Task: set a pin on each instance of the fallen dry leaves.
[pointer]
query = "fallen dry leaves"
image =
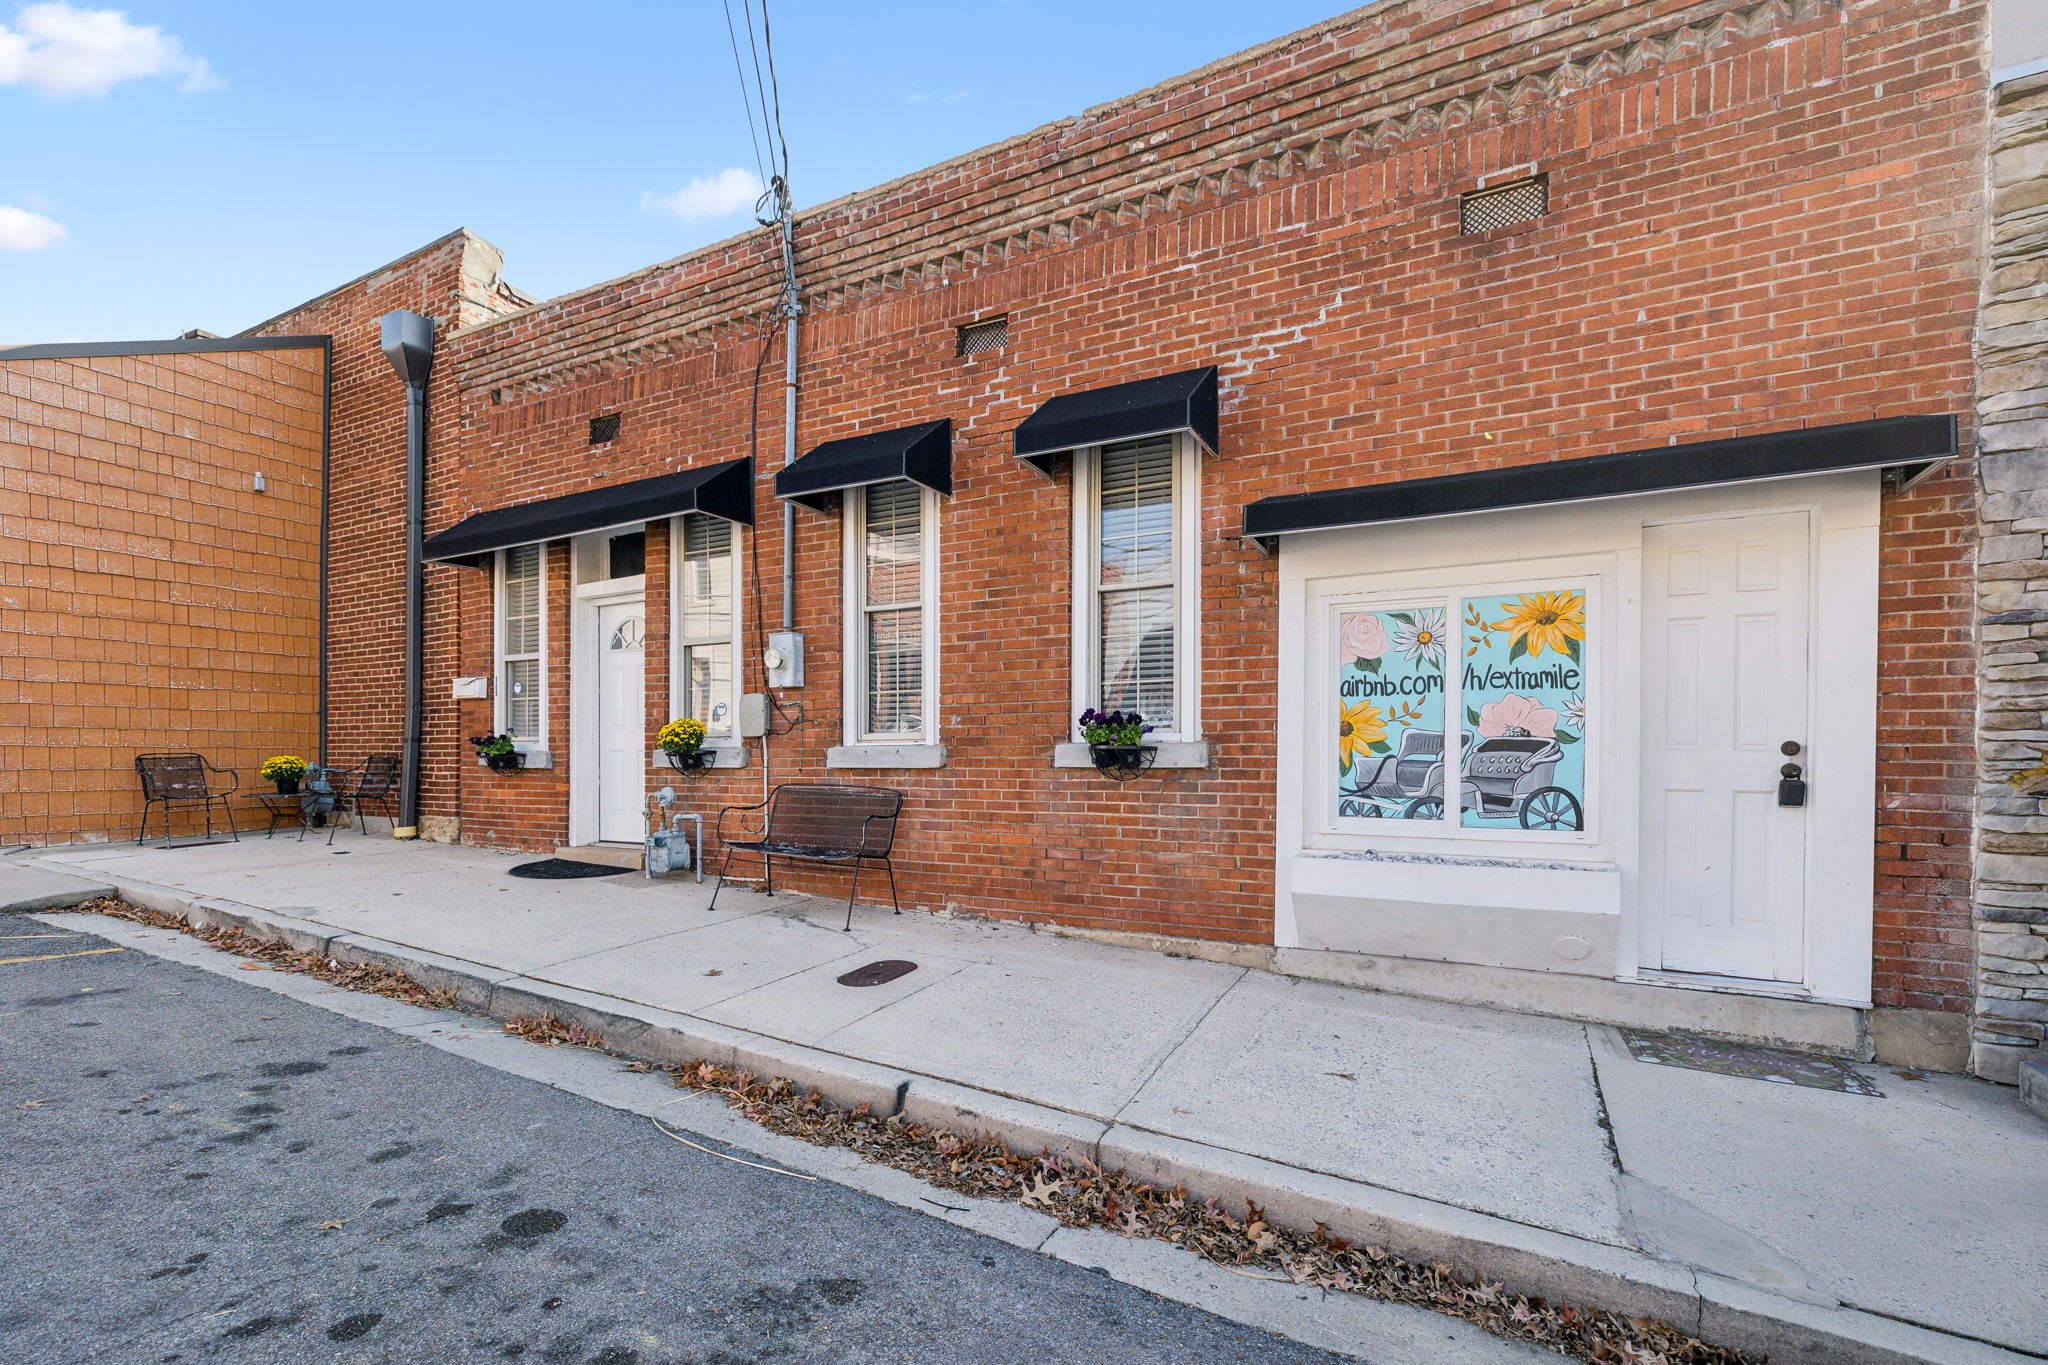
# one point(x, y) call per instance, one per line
point(281, 956)
point(548, 1031)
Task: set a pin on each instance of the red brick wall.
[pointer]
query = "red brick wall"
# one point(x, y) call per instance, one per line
point(455, 282)
point(1761, 219)
point(150, 597)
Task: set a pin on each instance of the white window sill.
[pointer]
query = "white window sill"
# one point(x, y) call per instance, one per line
point(1193, 753)
point(725, 756)
point(878, 756)
point(535, 758)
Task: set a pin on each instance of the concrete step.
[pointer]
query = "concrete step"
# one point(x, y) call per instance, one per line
point(2034, 1087)
point(604, 855)
point(24, 888)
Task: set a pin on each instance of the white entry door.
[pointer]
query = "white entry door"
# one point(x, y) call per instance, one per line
point(1726, 608)
point(621, 722)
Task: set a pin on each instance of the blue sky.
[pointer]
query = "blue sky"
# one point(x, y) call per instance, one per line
point(183, 164)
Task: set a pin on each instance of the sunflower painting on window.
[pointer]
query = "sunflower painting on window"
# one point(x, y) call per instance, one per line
point(1361, 730)
point(1535, 623)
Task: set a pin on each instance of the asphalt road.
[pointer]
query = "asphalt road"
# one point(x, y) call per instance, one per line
point(174, 1142)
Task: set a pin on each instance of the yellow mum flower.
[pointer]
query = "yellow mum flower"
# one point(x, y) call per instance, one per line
point(1361, 726)
point(1547, 620)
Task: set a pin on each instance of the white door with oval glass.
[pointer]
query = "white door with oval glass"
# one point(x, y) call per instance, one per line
point(621, 719)
point(1727, 608)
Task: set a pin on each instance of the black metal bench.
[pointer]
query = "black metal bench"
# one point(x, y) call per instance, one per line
point(184, 780)
point(816, 823)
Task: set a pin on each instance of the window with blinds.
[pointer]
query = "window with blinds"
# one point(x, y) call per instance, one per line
point(519, 643)
point(1137, 592)
point(704, 624)
point(892, 589)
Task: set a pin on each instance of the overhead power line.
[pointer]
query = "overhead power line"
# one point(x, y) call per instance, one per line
point(775, 90)
point(746, 95)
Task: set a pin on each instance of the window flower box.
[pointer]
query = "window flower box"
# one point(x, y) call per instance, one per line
point(1116, 743)
point(498, 753)
point(682, 744)
point(1123, 761)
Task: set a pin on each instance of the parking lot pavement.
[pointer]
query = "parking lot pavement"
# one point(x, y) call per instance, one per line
point(198, 1171)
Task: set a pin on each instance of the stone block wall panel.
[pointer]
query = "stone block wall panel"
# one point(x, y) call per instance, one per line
point(2011, 901)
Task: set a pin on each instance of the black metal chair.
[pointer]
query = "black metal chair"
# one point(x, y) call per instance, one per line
point(373, 783)
point(184, 780)
point(817, 823)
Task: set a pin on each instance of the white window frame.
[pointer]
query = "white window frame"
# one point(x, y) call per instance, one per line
point(853, 518)
point(677, 643)
point(538, 742)
point(1187, 585)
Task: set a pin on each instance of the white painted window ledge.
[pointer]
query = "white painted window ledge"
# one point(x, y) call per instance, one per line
point(878, 756)
point(727, 756)
point(1192, 753)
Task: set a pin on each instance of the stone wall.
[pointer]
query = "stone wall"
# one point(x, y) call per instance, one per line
point(2012, 592)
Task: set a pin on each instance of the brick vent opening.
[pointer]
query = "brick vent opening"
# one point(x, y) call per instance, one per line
point(1504, 205)
point(605, 428)
point(990, 335)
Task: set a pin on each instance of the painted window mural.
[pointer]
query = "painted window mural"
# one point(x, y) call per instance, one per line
point(1523, 687)
point(1511, 666)
point(1390, 730)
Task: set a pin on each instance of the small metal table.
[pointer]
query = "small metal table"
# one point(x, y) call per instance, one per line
point(282, 807)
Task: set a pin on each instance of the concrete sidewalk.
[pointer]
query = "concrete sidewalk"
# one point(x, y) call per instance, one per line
point(1806, 1223)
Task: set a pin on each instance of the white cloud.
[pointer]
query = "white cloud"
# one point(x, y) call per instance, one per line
point(61, 51)
point(21, 230)
point(708, 196)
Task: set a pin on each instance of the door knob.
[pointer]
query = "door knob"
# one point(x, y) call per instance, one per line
point(1789, 748)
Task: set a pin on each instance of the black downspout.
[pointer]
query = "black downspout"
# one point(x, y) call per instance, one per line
point(326, 505)
point(408, 343)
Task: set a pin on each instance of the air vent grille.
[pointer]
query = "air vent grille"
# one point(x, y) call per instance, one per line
point(605, 428)
point(992, 334)
point(1504, 205)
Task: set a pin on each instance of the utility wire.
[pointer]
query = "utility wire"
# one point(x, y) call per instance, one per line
point(775, 90)
point(760, 85)
point(746, 96)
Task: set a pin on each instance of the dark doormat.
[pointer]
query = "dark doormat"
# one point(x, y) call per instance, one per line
point(564, 870)
point(1751, 1063)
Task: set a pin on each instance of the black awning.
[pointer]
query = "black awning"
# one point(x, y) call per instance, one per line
point(1912, 445)
point(720, 490)
point(1121, 412)
point(921, 454)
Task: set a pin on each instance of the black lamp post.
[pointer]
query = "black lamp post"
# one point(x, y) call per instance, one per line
point(408, 343)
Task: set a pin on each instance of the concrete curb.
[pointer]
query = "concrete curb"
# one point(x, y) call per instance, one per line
point(1525, 1259)
point(66, 890)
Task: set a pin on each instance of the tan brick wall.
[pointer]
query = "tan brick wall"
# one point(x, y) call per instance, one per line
point(150, 598)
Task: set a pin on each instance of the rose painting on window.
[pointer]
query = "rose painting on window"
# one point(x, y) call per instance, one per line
point(1523, 687)
point(1390, 713)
